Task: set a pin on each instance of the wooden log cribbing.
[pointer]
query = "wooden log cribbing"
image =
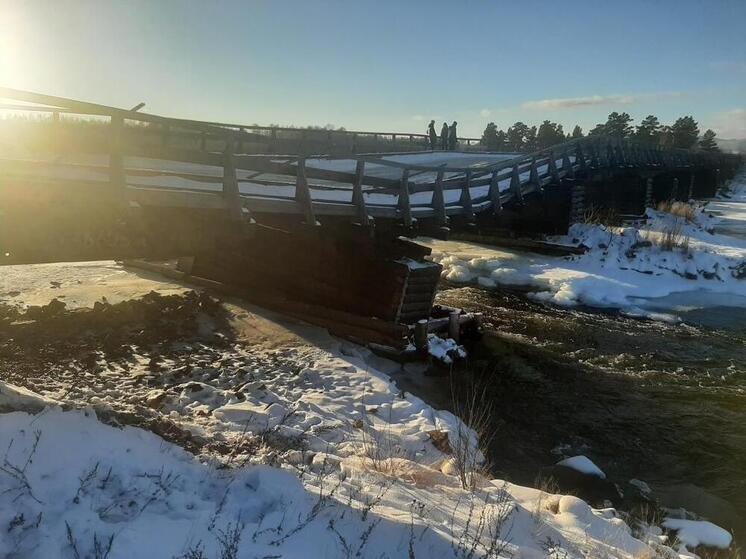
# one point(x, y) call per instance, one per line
point(353, 273)
point(530, 245)
point(577, 202)
point(649, 192)
point(339, 323)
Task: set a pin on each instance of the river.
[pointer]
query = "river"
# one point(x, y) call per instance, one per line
point(658, 401)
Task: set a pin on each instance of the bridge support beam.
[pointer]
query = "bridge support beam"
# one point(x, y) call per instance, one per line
point(577, 202)
point(336, 268)
point(648, 192)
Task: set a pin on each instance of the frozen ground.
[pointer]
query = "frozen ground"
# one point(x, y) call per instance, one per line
point(301, 446)
point(630, 268)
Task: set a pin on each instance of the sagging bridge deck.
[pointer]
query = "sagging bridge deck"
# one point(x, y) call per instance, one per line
point(205, 198)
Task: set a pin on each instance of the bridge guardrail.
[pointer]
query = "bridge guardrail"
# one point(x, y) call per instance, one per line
point(294, 184)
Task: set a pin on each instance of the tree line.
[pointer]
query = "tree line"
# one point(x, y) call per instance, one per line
point(683, 133)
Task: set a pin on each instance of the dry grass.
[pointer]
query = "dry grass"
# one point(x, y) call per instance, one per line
point(602, 216)
point(475, 431)
point(669, 238)
point(679, 209)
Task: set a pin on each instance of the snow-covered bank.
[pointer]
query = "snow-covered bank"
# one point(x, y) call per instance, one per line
point(625, 267)
point(70, 485)
point(306, 446)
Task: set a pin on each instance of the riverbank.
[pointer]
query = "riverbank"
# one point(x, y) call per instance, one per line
point(295, 440)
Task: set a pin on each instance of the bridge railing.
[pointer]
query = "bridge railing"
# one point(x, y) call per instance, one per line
point(210, 171)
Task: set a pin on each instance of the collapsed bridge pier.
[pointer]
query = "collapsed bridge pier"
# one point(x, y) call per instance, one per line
point(325, 237)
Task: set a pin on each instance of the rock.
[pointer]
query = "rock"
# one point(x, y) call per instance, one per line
point(440, 440)
point(449, 467)
point(739, 272)
point(591, 488)
point(357, 424)
point(155, 398)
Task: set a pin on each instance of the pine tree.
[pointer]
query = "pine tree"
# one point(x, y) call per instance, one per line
point(502, 140)
point(649, 130)
point(489, 137)
point(529, 140)
point(685, 132)
point(577, 132)
point(598, 130)
point(707, 142)
point(619, 125)
point(516, 136)
point(549, 134)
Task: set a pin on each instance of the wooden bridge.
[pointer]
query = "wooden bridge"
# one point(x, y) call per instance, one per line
point(324, 230)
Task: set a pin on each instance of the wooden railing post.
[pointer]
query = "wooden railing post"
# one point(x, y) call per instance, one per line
point(165, 133)
point(117, 177)
point(465, 200)
point(534, 174)
point(438, 200)
point(515, 185)
point(358, 199)
point(273, 141)
point(577, 203)
point(553, 168)
point(494, 193)
point(241, 132)
point(404, 204)
point(675, 189)
point(303, 193)
point(231, 194)
point(580, 158)
point(691, 185)
point(567, 165)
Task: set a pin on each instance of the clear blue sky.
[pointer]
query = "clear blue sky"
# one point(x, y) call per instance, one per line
point(387, 65)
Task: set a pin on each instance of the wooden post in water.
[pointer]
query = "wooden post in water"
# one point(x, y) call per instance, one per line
point(675, 189)
point(691, 186)
point(420, 334)
point(454, 328)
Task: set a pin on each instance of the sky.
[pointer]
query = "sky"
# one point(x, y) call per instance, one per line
point(387, 65)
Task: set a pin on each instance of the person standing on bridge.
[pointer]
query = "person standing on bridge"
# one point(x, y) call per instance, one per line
point(452, 137)
point(444, 137)
point(433, 135)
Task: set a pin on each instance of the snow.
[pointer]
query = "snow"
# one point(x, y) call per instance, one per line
point(693, 533)
point(582, 464)
point(444, 349)
point(319, 448)
point(157, 500)
point(77, 284)
point(624, 268)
